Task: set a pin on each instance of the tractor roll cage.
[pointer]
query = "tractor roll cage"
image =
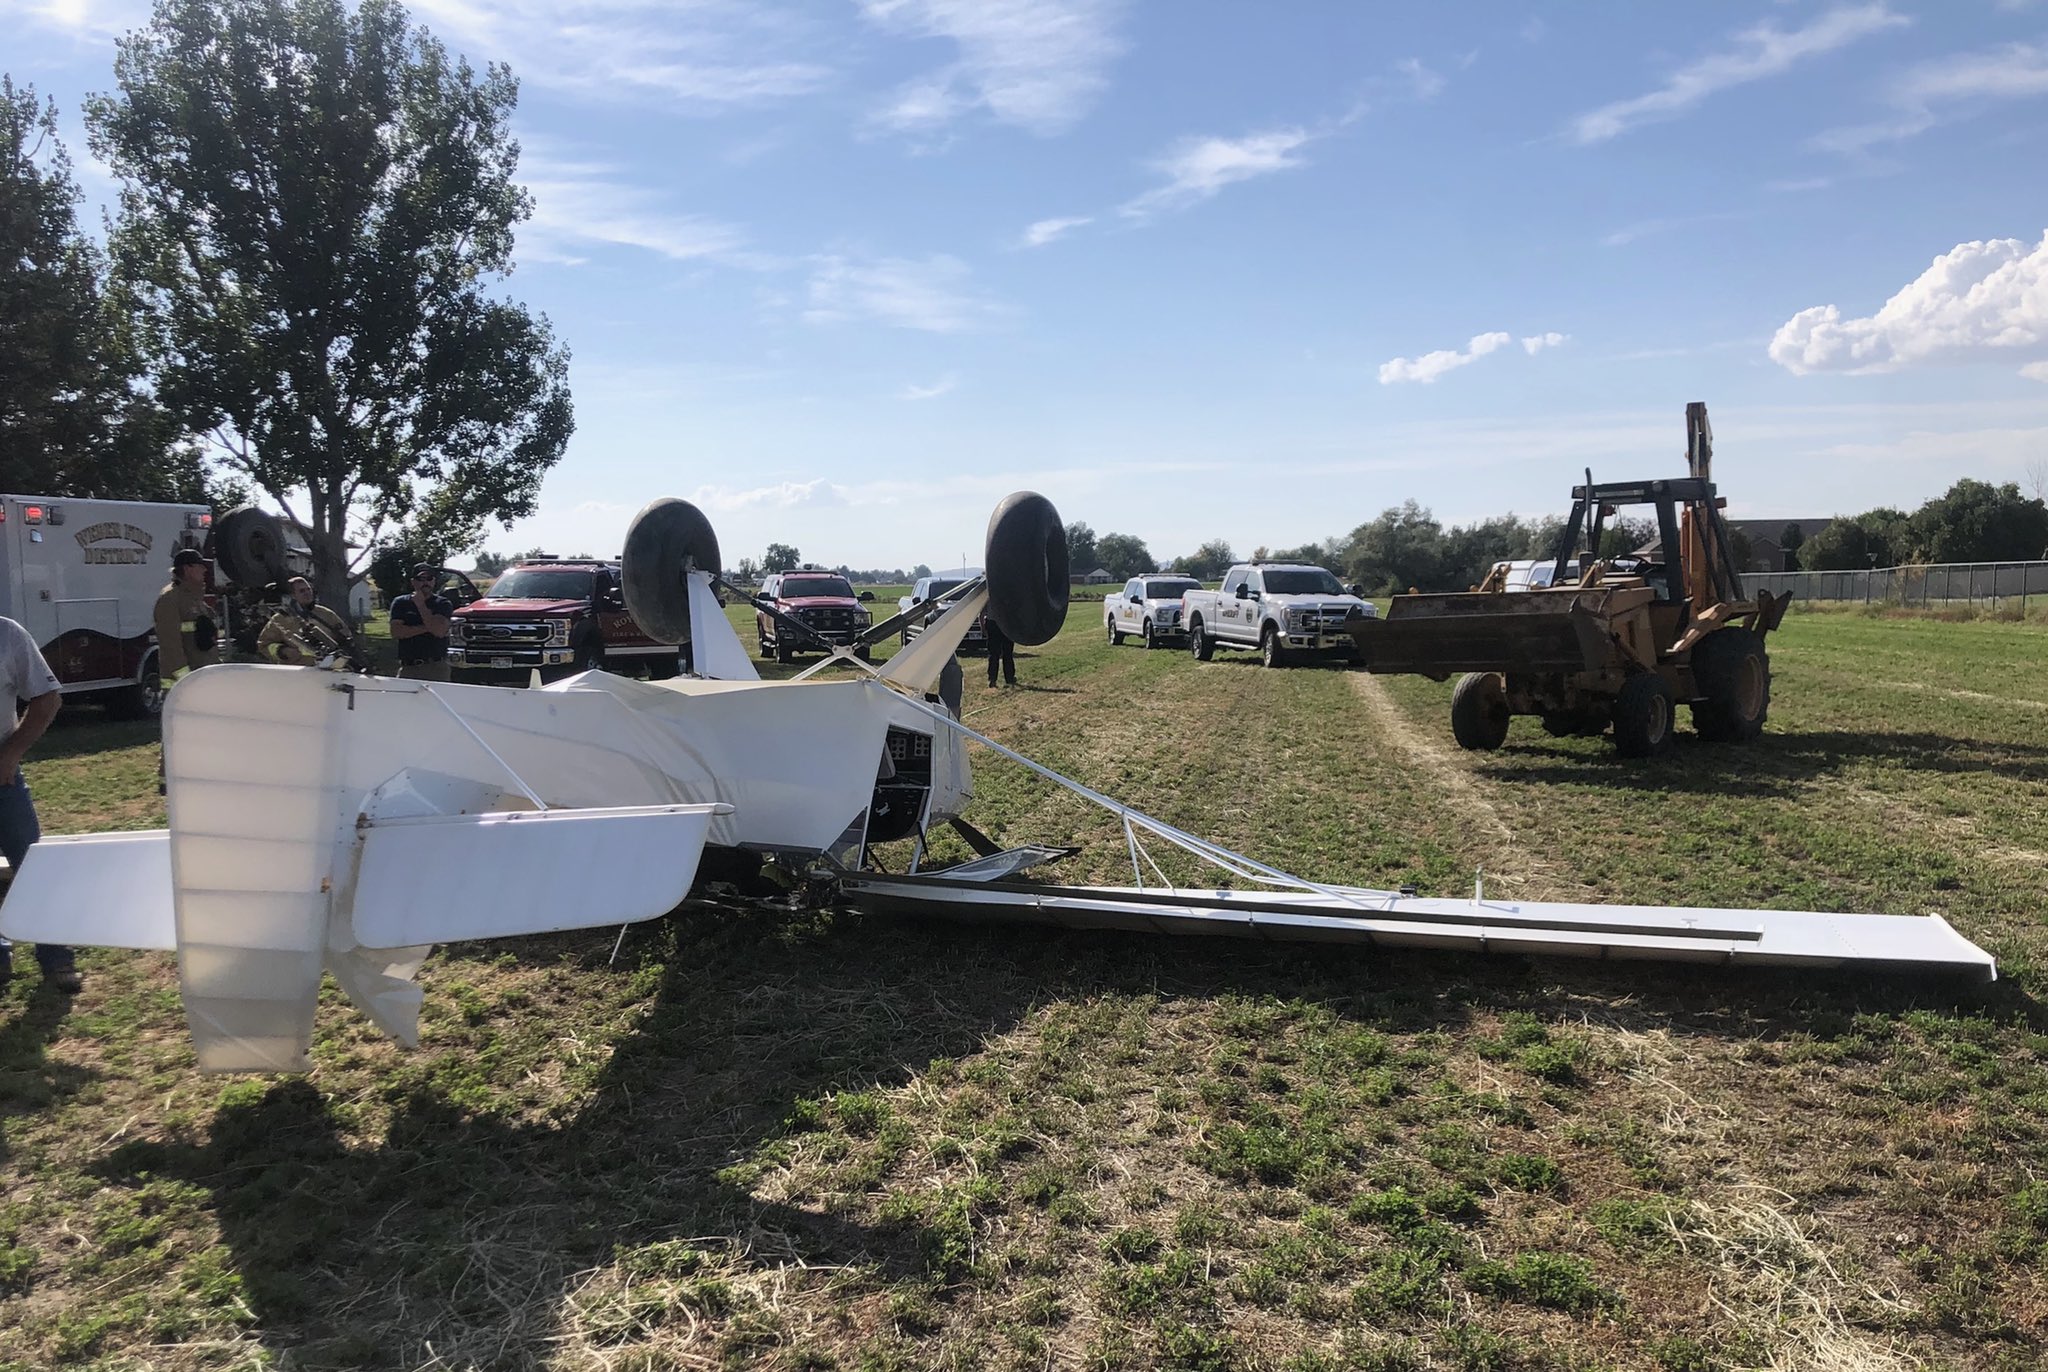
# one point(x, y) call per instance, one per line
point(1591, 505)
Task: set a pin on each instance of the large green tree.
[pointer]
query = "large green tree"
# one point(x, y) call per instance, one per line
point(1121, 555)
point(74, 418)
point(317, 205)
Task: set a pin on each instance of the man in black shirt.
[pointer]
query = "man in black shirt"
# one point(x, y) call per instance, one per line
point(1002, 652)
point(419, 624)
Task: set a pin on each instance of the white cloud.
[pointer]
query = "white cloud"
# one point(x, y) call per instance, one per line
point(1037, 65)
point(1977, 302)
point(931, 392)
point(1428, 367)
point(1936, 92)
point(1538, 342)
point(588, 202)
point(1197, 168)
point(1760, 52)
point(1424, 83)
point(92, 22)
point(935, 295)
point(2035, 371)
point(711, 54)
point(783, 495)
point(1046, 230)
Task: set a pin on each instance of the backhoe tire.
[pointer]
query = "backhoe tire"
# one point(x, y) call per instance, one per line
point(1733, 673)
point(1645, 716)
point(664, 539)
point(1199, 643)
point(1027, 568)
point(1479, 712)
point(249, 546)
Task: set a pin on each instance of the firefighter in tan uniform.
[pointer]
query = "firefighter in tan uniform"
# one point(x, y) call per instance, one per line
point(303, 631)
point(187, 635)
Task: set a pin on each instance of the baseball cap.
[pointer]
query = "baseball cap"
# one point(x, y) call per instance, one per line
point(186, 557)
point(425, 569)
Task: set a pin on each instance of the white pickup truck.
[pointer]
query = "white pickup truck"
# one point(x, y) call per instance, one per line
point(1281, 609)
point(1148, 607)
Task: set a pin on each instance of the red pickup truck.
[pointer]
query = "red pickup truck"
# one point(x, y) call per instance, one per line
point(560, 617)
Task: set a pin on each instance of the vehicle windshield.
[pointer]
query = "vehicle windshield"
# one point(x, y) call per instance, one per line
point(1302, 581)
point(1170, 590)
point(794, 586)
point(541, 583)
point(938, 588)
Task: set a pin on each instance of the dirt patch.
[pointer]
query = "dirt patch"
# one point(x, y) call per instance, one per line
point(1954, 693)
point(1488, 821)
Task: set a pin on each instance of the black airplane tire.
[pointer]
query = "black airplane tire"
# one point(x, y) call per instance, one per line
point(665, 538)
point(1026, 565)
point(249, 546)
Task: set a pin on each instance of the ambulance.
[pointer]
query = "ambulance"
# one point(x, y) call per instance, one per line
point(83, 577)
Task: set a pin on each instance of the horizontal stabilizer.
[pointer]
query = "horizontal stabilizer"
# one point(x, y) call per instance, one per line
point(98, 890)
point(451, 878)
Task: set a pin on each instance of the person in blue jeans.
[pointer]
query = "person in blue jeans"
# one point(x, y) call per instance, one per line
point(24, 676)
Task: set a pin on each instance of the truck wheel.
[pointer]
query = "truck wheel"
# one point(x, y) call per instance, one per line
point(663, 667)
point(1272, 648)
point(1199, 643)
point(1151, 641)
point(663, 539)
point(143, 700)
point(1645, 715)
point(1027, 568)
point(1733, 673)
point(589, 655)
point(865, 653)
point(1116, 639)
point(1479, 712)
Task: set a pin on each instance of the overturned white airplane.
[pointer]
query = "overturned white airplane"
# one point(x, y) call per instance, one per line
point(332, 821)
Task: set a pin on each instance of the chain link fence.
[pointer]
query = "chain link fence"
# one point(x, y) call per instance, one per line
point(1945, 583)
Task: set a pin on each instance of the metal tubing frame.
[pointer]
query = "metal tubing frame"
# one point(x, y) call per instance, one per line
point(1236, 864)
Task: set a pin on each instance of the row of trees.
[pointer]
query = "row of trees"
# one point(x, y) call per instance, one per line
point(1406, 545)
point(1974, 521)
point(301, 290)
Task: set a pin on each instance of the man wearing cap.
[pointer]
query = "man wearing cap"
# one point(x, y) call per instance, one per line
point(419, 623)
point(303, 630)
point(187, 636)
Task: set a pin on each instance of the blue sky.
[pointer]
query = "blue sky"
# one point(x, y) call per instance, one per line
point(844, 273)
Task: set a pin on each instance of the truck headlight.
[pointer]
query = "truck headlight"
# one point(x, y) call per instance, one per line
point(558, 632)
point(863, 617)
point(456, 630)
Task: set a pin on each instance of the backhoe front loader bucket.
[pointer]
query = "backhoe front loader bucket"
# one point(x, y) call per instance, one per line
point(1440, 635)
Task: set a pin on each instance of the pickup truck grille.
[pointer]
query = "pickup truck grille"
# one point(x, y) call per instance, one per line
point(827, 619)
point(493, 633)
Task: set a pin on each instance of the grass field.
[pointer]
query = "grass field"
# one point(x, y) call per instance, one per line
point(823, 1142)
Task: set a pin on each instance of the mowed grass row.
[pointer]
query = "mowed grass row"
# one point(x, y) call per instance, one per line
point(808, 1140)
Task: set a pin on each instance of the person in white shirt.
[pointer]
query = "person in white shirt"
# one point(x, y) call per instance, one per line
point(24, 676)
